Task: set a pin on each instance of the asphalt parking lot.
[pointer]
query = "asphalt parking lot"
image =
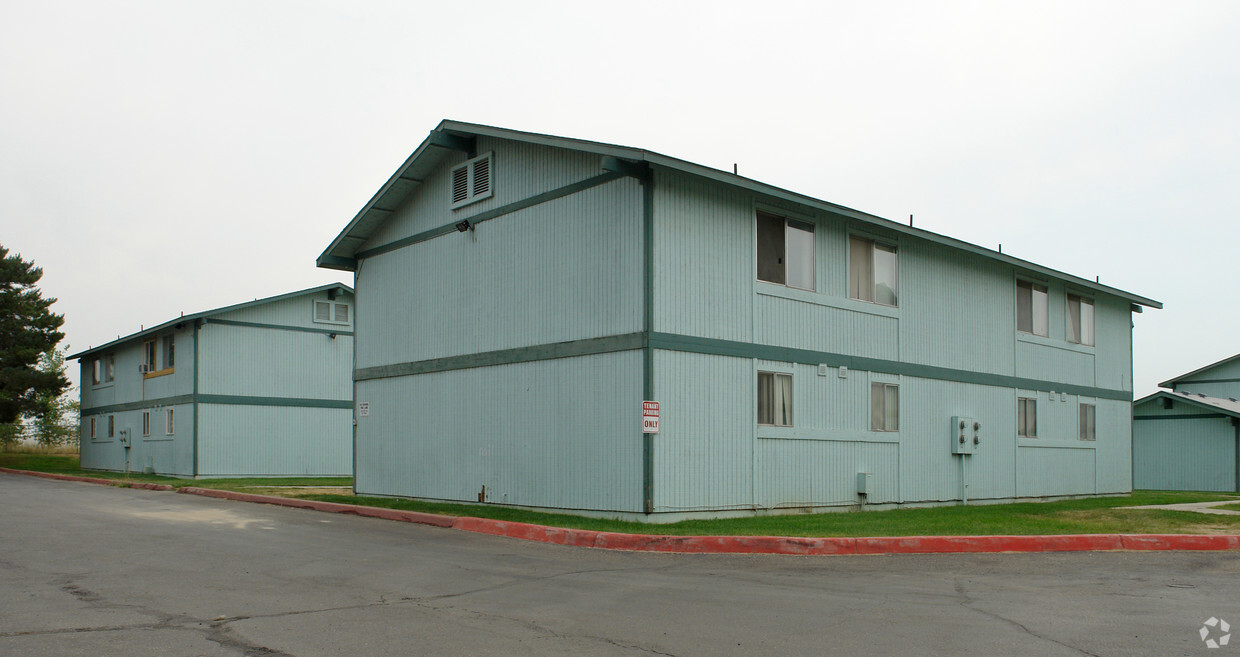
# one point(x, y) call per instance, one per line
point(96, 570)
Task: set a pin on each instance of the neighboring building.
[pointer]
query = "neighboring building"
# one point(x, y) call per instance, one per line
point(256, 389)
point(1189, 438)
point(521, 295)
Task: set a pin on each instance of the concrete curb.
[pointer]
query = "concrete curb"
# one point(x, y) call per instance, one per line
point(719, 544)
point(89, 480)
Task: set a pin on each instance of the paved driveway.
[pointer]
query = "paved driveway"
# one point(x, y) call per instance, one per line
point(95, 570)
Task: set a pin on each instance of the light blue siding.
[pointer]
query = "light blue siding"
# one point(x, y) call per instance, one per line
point(261, 354)
point(564, 270)
point(563, 433)
point(256, 441)
point(1185, 447)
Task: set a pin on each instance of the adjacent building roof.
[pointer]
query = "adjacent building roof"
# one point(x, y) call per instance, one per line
point(208, 313)
point(1171, 383)
point(1228, 406)
point(451, 136)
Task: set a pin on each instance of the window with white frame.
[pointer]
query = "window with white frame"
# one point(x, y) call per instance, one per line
point(96, 375)
point(1080, 320)
point(109, 367)
point(148, 356)
point(884, 407)
point(471, 181)
point(873, 271)
point(1032, 305)
point(331, 312)
point(775, 399)
point(111, 426)
point(146, 423)
point(1089, 422)
point(93, 429)
point(169, 425)
point(785, 251)
point(169, 350)
point(1027, 417)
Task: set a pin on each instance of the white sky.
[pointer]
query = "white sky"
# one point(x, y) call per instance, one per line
point(160, 157)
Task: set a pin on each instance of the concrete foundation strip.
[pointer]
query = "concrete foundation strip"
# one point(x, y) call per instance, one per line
point(719, 544)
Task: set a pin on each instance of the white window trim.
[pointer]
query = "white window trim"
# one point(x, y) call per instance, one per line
point(169, 422)
point(788, 218)
point(146, 423)
point(792, 403)
point(874, 243)
point(1093, 317)
point(471, 165)
point(1079, 405)
point(884, 385)
point(331, 312)
point(1021, 397)
point(1033, 319)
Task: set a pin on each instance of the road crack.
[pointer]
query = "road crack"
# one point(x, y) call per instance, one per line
point(968, 602)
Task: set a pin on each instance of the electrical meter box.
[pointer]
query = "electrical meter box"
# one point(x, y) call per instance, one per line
point(966, 435)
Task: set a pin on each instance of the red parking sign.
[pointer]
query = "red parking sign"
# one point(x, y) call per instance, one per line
point(650, 417)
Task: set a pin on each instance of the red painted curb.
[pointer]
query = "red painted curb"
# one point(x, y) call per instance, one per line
point(718, 544)
point(329, 507)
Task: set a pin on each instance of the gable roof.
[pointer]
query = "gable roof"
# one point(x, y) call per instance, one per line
point(451, 136)
point(1229, 407)
point(1170, 383)
point(209, 313)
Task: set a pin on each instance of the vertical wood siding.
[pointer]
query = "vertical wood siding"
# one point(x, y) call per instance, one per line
point(562, 433)
point(568, 269)
point(260, 362)
point(236, 440)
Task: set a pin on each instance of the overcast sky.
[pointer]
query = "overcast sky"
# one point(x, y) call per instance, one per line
point(160, 157)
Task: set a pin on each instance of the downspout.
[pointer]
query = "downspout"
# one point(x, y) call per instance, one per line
point(647, 183)
point(194, 403)
point(357, 271)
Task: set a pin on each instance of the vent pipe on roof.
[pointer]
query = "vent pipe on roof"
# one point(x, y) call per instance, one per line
point(734, 169)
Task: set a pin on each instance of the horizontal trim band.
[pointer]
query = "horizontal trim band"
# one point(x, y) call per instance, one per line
point(139, 405)
point(230, 400)
point(280, 327)
point(297, 402)
point(447, 229)
point(715, 347)
point(712, 346)
point(588, 347)
point(1190, 416)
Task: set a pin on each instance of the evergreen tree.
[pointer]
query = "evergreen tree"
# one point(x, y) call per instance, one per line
point(58, 424)
point(28, 329)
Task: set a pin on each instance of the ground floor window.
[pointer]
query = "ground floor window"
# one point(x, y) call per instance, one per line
point(92, 428)
point(1027, 417)
point(169, 427)
point(111, 426)
point(1088, 422)
point(146, 423)
point(884, 407)
point(775, 399)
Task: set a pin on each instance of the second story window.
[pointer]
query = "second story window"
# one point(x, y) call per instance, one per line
point(785, 251)
point(1080, 320)
point(873, 271)
point(1031, 308)
point(169, 351)
point(148, 356)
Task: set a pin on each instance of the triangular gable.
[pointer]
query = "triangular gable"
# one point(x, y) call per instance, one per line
point(1197, 374)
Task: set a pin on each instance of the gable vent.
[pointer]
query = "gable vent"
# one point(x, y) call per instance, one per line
point(460, 184)
point(471, 181)
point(482, 176)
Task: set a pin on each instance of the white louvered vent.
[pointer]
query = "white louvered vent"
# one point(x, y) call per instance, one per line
point(322, 311)
point(471, 181)
point(460, 184)
point(342, 313)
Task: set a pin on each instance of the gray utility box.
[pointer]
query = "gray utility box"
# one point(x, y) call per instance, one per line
point(966, 435)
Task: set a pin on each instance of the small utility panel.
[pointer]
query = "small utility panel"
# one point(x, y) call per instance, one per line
point(966, 435)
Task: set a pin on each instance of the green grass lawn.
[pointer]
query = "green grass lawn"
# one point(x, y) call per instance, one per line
point(1099, 515)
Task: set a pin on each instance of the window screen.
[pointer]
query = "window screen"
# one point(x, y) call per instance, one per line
point(322, 311)
point(775, 399)
point(1031, 308)
point(884, 407)
point(1088, 422)
point(342, 313)
point(1027, 417)
point(770, 248)
point(1080, 320)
